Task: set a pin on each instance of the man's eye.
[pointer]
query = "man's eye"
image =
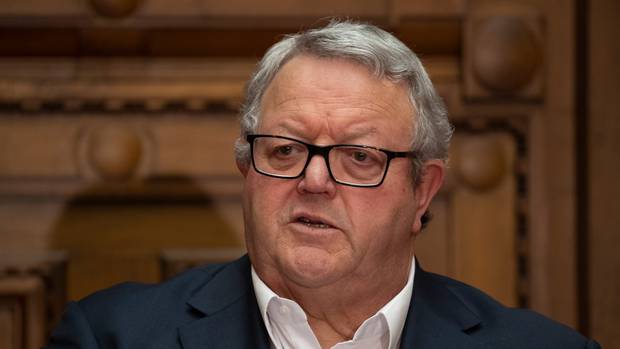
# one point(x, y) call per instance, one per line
point(283, 150)
point(360, 156)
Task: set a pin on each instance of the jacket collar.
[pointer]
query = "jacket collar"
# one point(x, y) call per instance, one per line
point(231, 317)
point(437, 317)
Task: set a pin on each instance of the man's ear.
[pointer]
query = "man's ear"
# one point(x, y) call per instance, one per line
point(427, 186)
point(243, 166)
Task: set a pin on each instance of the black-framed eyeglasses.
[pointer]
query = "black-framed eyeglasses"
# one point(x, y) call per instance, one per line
point(349, 164)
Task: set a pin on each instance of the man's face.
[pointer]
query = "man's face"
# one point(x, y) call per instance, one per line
point(310, 230)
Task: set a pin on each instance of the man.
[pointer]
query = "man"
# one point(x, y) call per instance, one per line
point(343, 146)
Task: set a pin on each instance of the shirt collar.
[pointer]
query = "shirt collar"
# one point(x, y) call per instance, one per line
point(395, 311)
point(263, 295)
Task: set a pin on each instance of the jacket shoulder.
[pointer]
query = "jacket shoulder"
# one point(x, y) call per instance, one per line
point(521, 327)
point(134, 294)
point(139, 312)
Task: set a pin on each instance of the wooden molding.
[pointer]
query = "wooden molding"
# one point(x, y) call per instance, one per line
point(37, 282)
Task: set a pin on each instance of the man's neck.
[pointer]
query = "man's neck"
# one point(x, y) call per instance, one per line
point(337, 310)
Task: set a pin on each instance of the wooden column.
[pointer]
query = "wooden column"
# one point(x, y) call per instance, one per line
point(603, 123)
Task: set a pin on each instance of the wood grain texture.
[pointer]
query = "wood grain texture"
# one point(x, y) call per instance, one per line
point(22, 304)
point(138, 72)
point(484, 229)
point(553, 188)
point(603, 169)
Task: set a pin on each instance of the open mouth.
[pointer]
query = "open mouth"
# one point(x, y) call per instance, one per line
point(313, 223)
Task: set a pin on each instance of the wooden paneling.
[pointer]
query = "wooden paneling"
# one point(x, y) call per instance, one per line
point(134, 153)
point(473, 233)
point(109, 244)
point(554, 261)
point(111, 240)
point(207, 27)
point(11, 323)
point(32, 296)
point(23, 311)
point(43, 8)
point(551, 183)
point(603, 200)
point(197, 9)
point(483, 215)
point(26, 149)
point(421, 8)
point(428, 35)
point(52, 148)
point(269, 8)
point(435, 245)
point(129, 79)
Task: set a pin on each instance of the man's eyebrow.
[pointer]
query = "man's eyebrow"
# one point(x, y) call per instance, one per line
point(297, 128)
point(359, 132)
point(292, 125)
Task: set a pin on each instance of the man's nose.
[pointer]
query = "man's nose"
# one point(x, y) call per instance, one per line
point(316, 178)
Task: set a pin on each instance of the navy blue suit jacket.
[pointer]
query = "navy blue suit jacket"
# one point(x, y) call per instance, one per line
point(215, 307)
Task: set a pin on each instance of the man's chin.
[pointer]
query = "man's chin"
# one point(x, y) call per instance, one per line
point(312, 267)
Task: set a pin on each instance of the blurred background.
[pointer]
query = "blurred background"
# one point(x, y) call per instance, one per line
point(118, 118)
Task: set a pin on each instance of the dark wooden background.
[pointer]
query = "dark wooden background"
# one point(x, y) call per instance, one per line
point(118, 117)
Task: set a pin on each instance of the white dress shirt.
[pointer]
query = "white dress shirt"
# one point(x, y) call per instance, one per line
point(288, 328)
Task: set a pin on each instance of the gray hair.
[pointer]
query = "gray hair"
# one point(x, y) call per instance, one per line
point(383, 54)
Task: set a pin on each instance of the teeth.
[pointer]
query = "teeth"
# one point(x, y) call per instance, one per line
point(310, 223)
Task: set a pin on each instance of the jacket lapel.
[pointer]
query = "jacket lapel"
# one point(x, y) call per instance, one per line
point(437, 318)
point(230, 318)
point(230, 314)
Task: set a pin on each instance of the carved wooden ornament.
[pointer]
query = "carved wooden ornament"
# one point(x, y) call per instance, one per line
point(506, 53)
point(480, 162)
point(115, 151)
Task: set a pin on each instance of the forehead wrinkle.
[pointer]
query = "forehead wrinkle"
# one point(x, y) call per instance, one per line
point(315, 96)
point(347, 123)
point(353, 131)
point(278, 94)
point(339, 106)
